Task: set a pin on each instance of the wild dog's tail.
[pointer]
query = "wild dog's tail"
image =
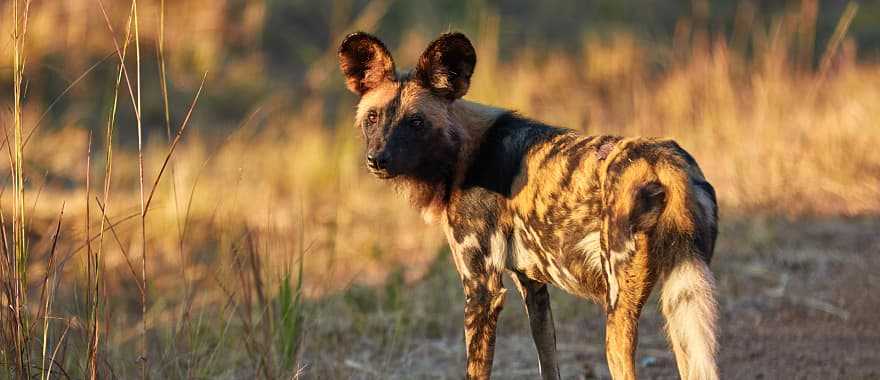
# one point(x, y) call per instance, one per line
point(685, 235)
point(669, 200)
point(686, 232)
point(688, 303)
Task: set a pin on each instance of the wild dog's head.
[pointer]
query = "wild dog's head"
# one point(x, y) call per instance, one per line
point(406, 119)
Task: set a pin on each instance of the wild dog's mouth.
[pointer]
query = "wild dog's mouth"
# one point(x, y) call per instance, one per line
point(381, 173)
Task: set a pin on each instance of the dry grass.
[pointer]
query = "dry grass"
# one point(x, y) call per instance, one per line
point(187, 276)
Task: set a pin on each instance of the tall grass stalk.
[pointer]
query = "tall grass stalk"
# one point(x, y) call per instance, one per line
point(48, 291)
point(24, 347)
point(140, 138)
point(21, 322)
point(836, 39)
point(93, 274)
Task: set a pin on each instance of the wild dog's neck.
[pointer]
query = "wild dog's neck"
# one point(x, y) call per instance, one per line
point(476, 118)
point(473, 120)
point(469, 122)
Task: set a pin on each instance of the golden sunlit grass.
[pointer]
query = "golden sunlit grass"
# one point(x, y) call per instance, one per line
point(195, 249)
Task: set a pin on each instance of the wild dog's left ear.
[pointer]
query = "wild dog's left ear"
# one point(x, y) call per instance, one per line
point(446, 66)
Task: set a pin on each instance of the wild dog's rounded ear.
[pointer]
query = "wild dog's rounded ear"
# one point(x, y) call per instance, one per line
point(365, 62)
point(446, 65)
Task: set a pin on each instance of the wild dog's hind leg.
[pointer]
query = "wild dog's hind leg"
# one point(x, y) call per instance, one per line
point(536, 299)
point(636, 278)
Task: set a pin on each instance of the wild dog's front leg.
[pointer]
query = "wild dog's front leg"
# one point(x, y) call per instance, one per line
point(479, 249)
point(536, 299)
point(484, 299)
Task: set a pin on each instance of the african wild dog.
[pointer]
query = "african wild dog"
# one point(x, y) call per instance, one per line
point(601, 217)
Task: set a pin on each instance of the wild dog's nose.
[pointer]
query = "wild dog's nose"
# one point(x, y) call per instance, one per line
point(377, 161)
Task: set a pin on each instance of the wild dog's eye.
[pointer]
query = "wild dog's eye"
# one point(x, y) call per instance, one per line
point(372, 117)
point(416, 121)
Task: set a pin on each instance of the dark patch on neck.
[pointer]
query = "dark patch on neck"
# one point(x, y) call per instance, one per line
point(504, 145)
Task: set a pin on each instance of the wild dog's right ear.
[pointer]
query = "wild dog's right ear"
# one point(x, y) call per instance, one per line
point(365, 62)
point(446, 65)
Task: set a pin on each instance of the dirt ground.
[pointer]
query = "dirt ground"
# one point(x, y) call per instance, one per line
point(798, 301)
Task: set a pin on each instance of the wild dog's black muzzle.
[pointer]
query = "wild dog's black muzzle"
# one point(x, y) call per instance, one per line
point(377, 161)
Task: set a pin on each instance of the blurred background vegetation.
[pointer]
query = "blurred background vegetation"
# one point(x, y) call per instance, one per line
point(778, 100)
point(282, 52)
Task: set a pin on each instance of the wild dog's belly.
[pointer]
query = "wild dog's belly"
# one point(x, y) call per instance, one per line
point(569, 258)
